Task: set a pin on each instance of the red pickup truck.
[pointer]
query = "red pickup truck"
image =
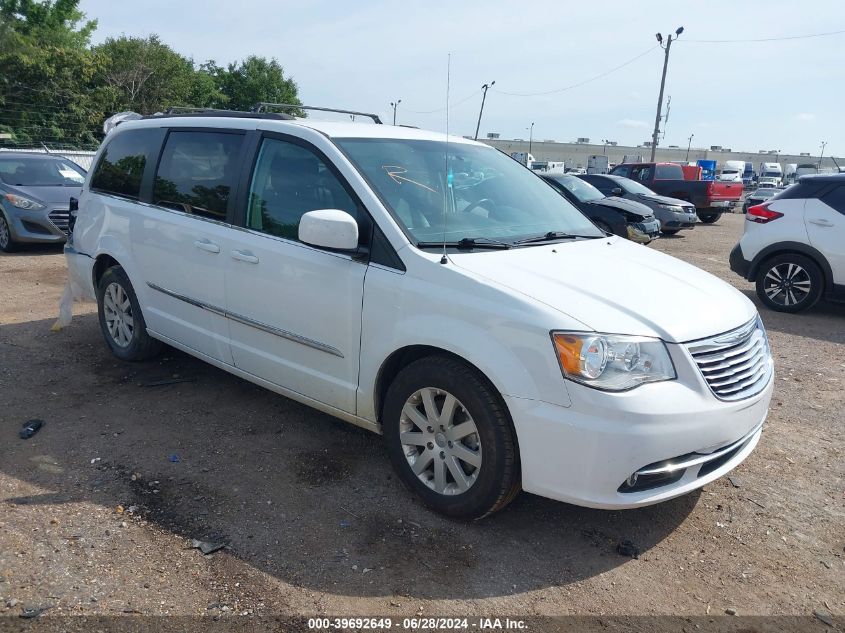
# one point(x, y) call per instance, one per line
point(710, 197)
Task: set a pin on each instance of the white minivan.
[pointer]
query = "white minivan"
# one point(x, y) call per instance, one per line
point(429, 288)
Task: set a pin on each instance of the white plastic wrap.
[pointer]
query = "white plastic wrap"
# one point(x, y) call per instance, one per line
point(72, 292)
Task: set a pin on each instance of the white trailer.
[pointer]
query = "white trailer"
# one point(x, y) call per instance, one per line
point(598, 164)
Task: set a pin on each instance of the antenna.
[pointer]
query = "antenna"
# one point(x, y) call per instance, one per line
point(448, 188)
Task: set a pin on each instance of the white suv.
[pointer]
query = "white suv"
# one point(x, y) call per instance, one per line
point(793, 246)
point(427, 288)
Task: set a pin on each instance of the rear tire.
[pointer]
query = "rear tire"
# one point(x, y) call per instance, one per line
point(7, 244)
point(121, 320)
point(709, 218)
point(789, 283)
point(450, 438)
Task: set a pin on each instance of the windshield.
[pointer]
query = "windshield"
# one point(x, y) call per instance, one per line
point(766, 192)
point(40, 172)
point(632, 186)
point(581, 189)
point(482, 194)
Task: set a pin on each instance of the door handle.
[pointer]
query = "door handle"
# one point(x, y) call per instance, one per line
point(245, 256)
point(205, 245)
point(821, 222)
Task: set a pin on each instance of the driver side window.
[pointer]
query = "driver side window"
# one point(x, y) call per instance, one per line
point(290, 180)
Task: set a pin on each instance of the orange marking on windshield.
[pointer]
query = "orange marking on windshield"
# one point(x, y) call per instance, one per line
point(395, 172)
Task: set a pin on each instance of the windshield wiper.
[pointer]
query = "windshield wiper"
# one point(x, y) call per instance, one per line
point(469, 243)
point(555, 235)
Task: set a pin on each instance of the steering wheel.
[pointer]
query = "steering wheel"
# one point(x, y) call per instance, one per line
point(477, 203)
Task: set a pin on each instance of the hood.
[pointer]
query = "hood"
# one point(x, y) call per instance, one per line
point(48, 195)
point(627, 206)
point(663, 200)
point(615, 286)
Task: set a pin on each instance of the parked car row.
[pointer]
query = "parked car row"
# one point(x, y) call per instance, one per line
point(611, 214)
point(711, 198)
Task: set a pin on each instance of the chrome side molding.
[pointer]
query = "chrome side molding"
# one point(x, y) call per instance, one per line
point(264, 327)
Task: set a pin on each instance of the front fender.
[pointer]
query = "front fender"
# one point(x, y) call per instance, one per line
point(477, 325)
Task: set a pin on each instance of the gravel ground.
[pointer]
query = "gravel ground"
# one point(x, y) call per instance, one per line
point(98, 509)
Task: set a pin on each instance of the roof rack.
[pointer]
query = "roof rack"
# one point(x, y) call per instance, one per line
point(214, 112)
point(263, 105)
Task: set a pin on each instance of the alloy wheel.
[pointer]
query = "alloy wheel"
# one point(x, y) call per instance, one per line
point(118, 313)
point(787, 284)
point(440, 441)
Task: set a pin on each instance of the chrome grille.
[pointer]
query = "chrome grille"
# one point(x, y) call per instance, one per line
point(736, 364)
point(60, 218)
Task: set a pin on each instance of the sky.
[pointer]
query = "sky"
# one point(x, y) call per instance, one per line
point(785, 95)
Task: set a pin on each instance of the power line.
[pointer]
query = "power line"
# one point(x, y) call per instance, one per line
point(767, 39)
point(451, 105)
point(580, 83)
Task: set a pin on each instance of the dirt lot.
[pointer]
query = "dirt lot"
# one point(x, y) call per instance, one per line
point(97, 509)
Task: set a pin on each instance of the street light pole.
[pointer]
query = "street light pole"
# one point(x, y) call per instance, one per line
point(821, 156)
point(530, 137)
point(483, 99)
point(689, 145)
point(395, 104)
point(668, 46)
point(604, 149)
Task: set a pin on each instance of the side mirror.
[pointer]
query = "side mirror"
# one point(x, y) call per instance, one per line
point(329, 228)
point(616, 191)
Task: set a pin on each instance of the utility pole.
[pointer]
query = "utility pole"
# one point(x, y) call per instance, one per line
point(666, 48)
point(822, 154)
point(395, 105)
point(689, 145)
point(530, 137)
point(483, 98)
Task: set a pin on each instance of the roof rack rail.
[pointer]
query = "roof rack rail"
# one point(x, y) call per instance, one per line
point(258, 107)
point(188, 111)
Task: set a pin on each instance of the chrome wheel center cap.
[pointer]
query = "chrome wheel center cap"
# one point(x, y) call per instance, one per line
point(440, 440)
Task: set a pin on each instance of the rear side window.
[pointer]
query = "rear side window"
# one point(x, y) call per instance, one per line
point(810, 188)
point(836, 198)
point(197, 171)
point(122, 163)
point(674, 172)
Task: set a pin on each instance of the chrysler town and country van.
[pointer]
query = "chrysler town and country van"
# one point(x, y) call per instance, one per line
point(428, 288)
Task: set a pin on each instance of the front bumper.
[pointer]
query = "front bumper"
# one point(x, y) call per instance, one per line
point(643, 232)
point(45, 226)
point(584, 454)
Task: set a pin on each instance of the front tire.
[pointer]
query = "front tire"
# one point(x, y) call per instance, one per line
point(669, 231)
point(450, 438)
point(121, 320)
point(7, 244)
point(789, 283)
point(709, 218)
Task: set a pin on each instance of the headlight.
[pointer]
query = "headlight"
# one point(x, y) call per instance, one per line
point(23, 203)
point(671, 207)
point(612, 362)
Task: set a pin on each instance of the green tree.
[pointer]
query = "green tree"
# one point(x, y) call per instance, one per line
point(254, 80)
point(48, 91)
point(145, 75)
point(205, 87)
